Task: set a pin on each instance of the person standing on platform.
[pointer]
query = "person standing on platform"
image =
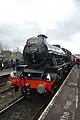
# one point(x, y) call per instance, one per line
point(13, 64)
point(1, 64)
point(17, 62)
point(78, 62)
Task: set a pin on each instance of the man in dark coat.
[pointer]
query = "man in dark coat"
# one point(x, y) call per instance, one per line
point(17, 62)
point(1, 64)
point(13, 64)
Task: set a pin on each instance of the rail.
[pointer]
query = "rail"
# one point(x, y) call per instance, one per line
point(11, 104)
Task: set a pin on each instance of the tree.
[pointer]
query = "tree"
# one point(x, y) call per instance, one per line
point(1, 47)
point(4, 47)
point(7, 48)
point(17, 49)
point(17, 53)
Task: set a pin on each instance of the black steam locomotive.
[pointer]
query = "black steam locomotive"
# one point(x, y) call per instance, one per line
point(46, 66)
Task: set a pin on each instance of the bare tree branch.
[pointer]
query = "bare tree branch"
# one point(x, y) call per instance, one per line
point(17, 50)
point(1, 47)
point(7, 48)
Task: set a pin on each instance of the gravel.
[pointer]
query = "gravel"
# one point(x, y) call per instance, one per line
point(23, 110)
point(7, 97)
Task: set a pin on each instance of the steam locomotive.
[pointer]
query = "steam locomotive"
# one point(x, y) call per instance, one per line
point(46, 66)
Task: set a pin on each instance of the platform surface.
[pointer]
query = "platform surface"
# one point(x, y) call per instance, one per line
point(5, 71)
point(65, 102)
point(77, 113)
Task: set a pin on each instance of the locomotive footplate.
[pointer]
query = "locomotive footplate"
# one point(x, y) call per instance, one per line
point(32, 71)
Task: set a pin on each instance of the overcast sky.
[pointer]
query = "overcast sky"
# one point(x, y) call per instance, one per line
point(58, 19)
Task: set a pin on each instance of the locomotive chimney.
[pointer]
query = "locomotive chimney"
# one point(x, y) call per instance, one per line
point(42, 37)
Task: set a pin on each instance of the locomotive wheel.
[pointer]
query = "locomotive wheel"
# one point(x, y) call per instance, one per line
point(25, 94)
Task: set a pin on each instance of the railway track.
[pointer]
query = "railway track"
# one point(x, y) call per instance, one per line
point(4, 76)
point(4, 89)
point(39, 111)
point(3, 83)
point(22, 109)
point(3, 79)
point(7, 95)
point(11, 104)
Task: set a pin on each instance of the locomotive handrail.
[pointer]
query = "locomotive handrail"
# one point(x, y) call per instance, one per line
point(55, 68)
point(58, 66)
point(33, 71)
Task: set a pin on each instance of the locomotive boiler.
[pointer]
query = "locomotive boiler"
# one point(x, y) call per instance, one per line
point(46, 66)
point(38, 53)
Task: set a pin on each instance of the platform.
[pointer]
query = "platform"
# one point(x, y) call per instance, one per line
point(77, 113)
point(5, 72)
point(64, 104)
